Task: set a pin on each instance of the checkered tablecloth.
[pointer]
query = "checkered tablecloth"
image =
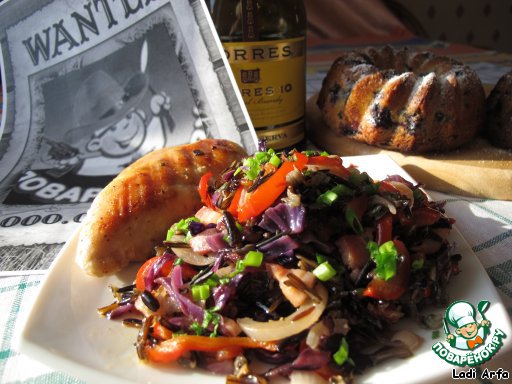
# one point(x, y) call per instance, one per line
point(16, 296)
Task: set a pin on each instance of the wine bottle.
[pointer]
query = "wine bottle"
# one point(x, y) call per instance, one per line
point(264, 41)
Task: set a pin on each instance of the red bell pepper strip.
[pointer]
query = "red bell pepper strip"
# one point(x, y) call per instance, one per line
point(328, 161)
point(334, 163)
point(203, 190)
point(233, 206)
point(161, 332)
point(187, 270)
point(358, 204)
point(173, 348)
point(143, 270)
point(228, 353)
point(384, 229)
point(425, 216)
point(263, 197)
point(420, 217)
point(395, 287)
point(386, 187)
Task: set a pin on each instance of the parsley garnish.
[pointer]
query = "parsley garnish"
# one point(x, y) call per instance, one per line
point(210, 317)
point(385, 257)
point(341, 355)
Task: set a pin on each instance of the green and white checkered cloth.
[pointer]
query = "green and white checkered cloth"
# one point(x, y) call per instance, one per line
point(485, 224)
point(16, 296)
point(487, 227)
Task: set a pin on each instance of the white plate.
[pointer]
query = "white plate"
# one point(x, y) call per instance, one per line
point(64, 331)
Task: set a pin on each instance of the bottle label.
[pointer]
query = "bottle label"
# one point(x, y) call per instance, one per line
point(271, 79)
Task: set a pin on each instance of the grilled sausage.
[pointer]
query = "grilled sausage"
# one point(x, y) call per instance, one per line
point(134, 211)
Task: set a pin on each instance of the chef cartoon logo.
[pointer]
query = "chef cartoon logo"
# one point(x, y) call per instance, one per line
point(468, 335)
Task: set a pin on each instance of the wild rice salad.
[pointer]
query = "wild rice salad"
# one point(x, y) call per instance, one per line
point(294, 260)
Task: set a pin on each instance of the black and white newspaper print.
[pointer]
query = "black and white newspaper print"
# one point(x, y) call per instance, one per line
point(90, 86)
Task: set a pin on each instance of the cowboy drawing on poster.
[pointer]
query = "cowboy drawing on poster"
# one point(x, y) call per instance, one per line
point(90, 86)
point(110, 129)
point(101, 117)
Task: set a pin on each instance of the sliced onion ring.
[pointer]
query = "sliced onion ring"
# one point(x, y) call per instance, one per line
point(378, 199)
point(315, 334)
point(404, 190)
point(306, 377)
point(193, 258)
point(411, 340)
point(304, 317)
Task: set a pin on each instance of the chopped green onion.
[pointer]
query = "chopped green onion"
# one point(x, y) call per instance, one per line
point(181, 227)
point(210, 317)
point(417, 264)
point(418, 195)
point(310, 152)
point(341, 355)
point(252, 168)
point(261, 157)
point(275, 160)
point(320, 258)
point(357, 177)
point(239, 266)
point(170, 233)
point(385, 257)
point(196, 327)
point(342, 190)
point(200, 292)
point(178, 261)
point(327, 198)
point(353, 221)
point(213, 280)
point(388, 248)
point(252, 165)
point(324, 271)
point(253, 259)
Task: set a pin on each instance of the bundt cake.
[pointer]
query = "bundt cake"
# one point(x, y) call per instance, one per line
point(499, 113)
point(402, 100)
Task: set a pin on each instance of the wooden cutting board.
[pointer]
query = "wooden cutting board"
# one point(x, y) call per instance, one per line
point(476, 170)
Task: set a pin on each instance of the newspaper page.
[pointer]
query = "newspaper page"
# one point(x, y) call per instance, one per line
point(88, 87)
